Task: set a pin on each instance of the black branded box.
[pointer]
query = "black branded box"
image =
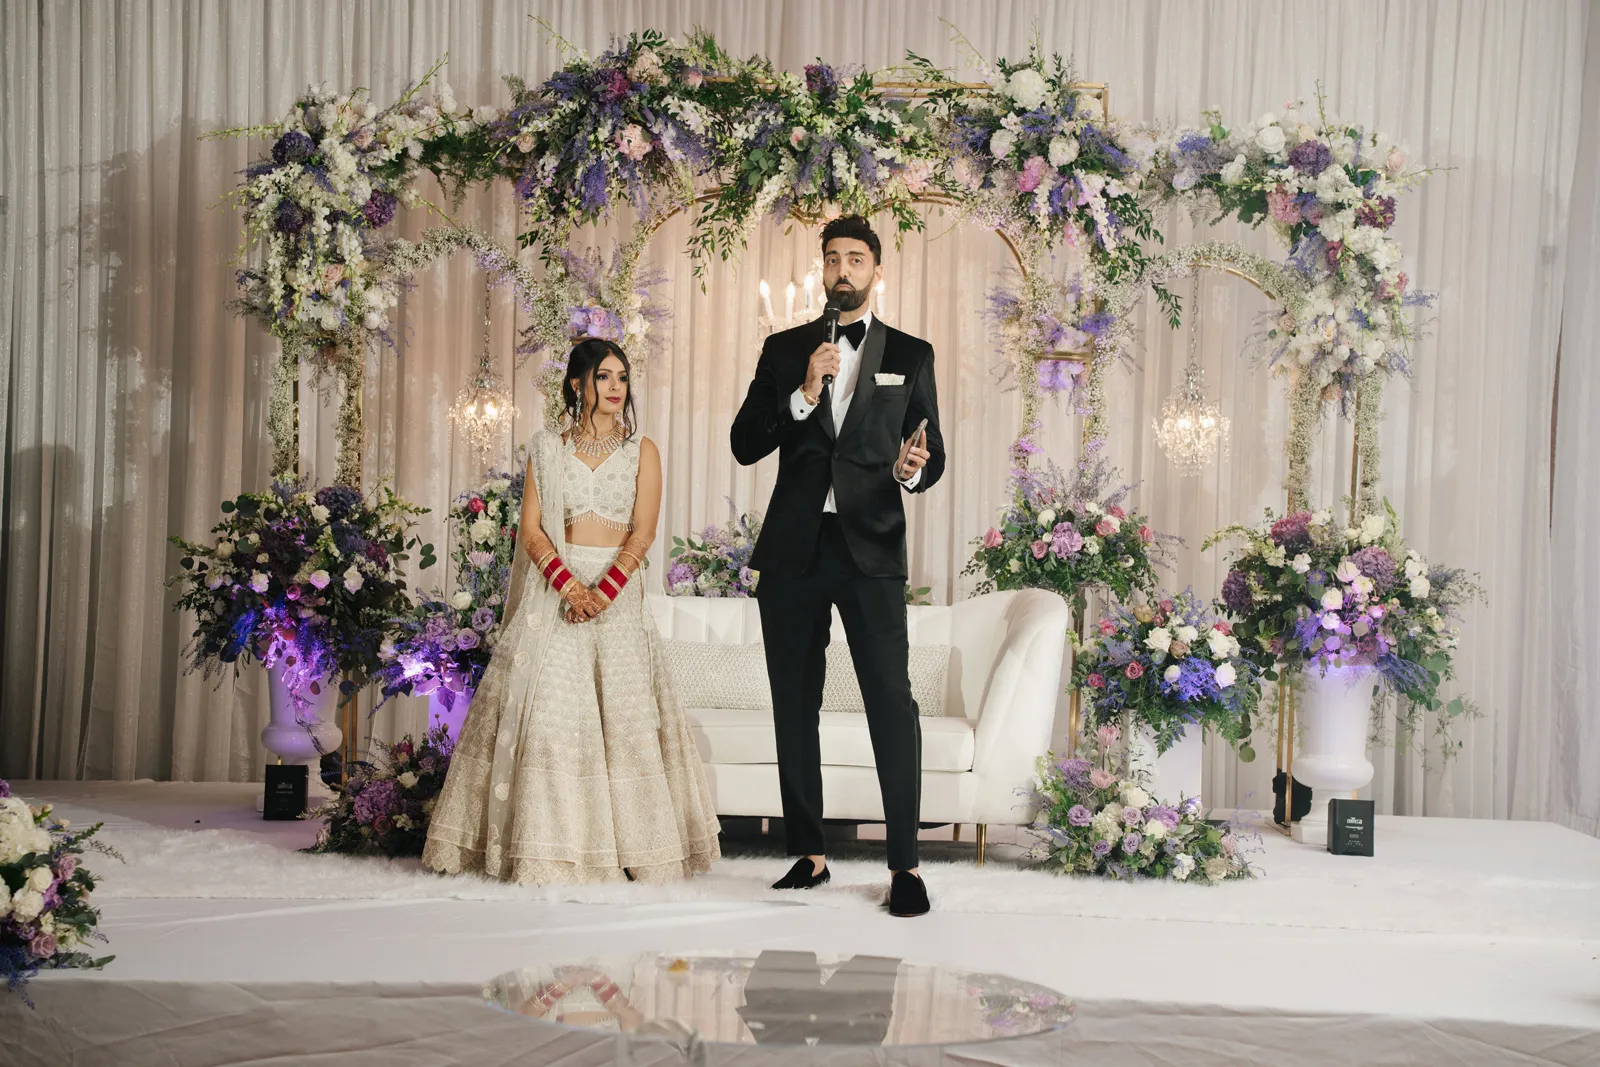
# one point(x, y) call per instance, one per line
point(1350, 827)
point(285, 796)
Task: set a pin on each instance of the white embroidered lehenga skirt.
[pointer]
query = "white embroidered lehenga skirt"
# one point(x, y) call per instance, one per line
point(606, 777)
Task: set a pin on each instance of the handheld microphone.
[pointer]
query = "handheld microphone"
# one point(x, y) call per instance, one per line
point(830, 329)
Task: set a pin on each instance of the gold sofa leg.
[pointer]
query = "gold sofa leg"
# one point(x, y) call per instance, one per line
point(955, 835)
point(981, 831)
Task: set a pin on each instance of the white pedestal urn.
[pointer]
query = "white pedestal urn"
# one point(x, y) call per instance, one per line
point(1335, 708)
point(453, 716)
point(302, 734)
point(1175, 774)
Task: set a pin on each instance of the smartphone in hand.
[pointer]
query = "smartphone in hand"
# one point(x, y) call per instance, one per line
point(919, 438)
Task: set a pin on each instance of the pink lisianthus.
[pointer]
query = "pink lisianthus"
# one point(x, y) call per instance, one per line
point(1281, 205)
point(1146, 534)
point(1134, 671)
point(992, 538)
point(1104, 528)
point(1102, 779)
point(1032, 174)
point(1039, 548)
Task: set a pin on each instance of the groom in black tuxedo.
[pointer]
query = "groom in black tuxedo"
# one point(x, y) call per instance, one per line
point(844, 420)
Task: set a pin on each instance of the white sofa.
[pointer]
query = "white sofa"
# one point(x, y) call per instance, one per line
point(979, 757)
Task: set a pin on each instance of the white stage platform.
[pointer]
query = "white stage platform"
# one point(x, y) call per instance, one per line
point(1461, 942)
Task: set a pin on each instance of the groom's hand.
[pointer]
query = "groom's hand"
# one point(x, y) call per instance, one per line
point(825, 360)
point(913, 455)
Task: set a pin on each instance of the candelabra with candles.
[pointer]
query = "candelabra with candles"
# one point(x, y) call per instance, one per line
point(483, 410)
point(1192, 429)
point(793, 313)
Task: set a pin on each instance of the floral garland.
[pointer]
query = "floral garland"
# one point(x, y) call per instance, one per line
point(1170, 665)
point(307, 582)
point(1091, 821)
point(384, 807)
point(444, 644)
point(45, 915)
point(1039, 319)
point(1317, 595)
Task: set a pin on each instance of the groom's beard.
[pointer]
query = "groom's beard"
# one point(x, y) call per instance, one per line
point(847, 296)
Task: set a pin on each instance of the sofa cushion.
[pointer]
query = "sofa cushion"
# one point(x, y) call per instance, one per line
point(735, 735)
point(713, 675)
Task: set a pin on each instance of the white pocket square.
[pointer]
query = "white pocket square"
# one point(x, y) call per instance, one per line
point(888, 379)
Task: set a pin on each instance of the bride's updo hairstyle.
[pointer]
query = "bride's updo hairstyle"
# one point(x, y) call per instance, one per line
point(582, 362)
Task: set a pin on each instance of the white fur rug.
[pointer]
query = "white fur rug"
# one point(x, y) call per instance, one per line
point(1431, 876)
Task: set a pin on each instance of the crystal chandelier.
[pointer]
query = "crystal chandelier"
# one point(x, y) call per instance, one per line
point(1192, 429)
point(483, 410)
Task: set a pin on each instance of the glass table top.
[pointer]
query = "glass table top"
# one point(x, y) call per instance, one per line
point(780, 998)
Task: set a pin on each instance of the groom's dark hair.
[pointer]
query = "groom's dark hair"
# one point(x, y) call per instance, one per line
point(852, 226)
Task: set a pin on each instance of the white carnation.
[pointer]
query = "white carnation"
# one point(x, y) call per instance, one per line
point(258, 582)
point(1047, 517)
point(26, 905)
point(1091, 545)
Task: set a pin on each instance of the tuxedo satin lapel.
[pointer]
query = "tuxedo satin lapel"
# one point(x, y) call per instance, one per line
point(866, 380)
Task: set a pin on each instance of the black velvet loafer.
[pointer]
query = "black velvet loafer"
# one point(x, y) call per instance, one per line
point(800, 876)
point(908, 897)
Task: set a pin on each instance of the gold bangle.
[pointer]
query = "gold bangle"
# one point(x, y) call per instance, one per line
point(811, 401)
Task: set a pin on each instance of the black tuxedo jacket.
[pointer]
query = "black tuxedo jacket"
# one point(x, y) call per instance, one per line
point(857, 461)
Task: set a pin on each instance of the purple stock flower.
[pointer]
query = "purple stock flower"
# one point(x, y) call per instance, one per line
point(1236, 592)
point(293, 147)
point(290, 217)
point(379, 208)
point(1375, 562)
point(1310, 157)
point(1101, 849)
point(1079, 815)
point(483, 620)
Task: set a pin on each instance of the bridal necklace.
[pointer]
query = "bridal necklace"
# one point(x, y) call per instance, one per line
point(598, 446)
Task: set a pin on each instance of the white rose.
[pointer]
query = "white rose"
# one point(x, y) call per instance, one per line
point(1187, 634)
point(1321, 518)
point(224, 548)
point(1047, 517)
point(484, 530)
point(1271, 140)
point(483, 114)
point(1332, 600)
point(319, 513)
point(258, 582)
point(26, 905)
point(1225, 675)
point(262, 558)
point(320, 579)
point(1183, 866)
point(1172, 673)
point(1372, 527)
point(254, 539)
point(39, 879)
point(1063, 150)
point(1028, 88)
point(352, 579)
point(1134, 797)
point(1347, 571)
point(462, 600)
point(1421, 587)
point(1001, 144)
point(407, 780)
point(1016, 566)
point(1155, 830)
point(1233, 171)
point(1301, 563)
point(1217, 641)
point(1159, 640)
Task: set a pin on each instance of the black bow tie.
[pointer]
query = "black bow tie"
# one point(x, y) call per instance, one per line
point(855, 332)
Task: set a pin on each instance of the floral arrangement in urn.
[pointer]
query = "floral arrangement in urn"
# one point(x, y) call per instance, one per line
point(1316, 594)
point(46, 919)
point(1329, 188)
point(444, 643)
point(306, 582)
point(1069, 537)
point(717, 563)
point(1094, 821)
point(1170, 665)
point(384, 806)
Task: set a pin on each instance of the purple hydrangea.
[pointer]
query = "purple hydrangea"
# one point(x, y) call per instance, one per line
point(377, 800)
point(1076, 772)
point(293, 147)
point(1293, 532)
point(1131, 843)
point(340, 500)
point(822, 80)
point(678, 574)
point(1101, 849)
point(1310, 157)
point(379, 208)
point(1165, 815)
point(1065, 540)
point(1079, 815)
point(1375, 562)
point(1236, 592)
point(483, 620)
point(290, 217)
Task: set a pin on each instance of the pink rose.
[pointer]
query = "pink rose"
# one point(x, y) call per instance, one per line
point(1032, 174)
point(830, 211)
point(43, 946)
point(1146, 534)
point(1102, 779)
point(693, 78)
point(525, 142)
point(1223, 628)
point(362, 138)
point(475, 505)
point(1039, 548)
point(292, 593)
point(1104, 528)
point(916, 176)
point(797, 136)
point(1396, 162)
point(1282, 207)
point(1107, 627)
point(992, 538)
point(1096, 681)
point(1134, 671)
point(1166, 606)
point(599, 322)
point(633, 142)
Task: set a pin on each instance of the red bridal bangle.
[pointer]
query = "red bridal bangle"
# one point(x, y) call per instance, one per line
point(610, 586)
point(555, 572)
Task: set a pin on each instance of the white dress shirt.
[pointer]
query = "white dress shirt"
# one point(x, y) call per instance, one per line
point(843, 389)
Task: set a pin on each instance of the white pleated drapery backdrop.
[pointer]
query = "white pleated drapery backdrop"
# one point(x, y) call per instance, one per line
point(132, 401)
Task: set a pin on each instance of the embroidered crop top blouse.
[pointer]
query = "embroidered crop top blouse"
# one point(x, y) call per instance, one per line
point(604, 494)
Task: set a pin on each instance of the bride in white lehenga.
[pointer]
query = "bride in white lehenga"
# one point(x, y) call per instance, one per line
point(575, 763)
